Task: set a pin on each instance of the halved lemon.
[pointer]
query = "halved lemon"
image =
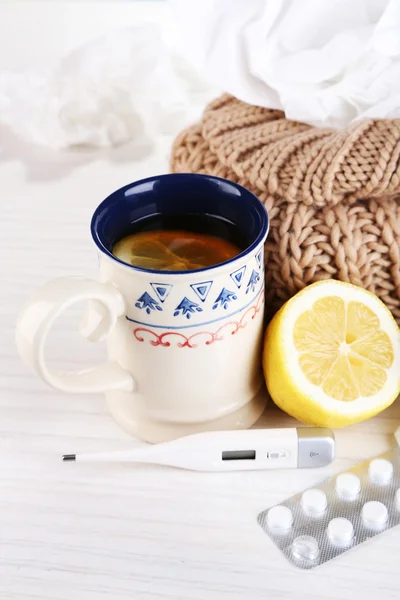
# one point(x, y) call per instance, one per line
point(332, 355)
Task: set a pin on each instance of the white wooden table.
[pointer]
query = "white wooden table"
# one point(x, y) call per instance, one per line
point(94, 532)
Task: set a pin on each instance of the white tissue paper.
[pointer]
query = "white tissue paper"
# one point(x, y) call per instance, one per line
point(324, 62)
point(125, 85)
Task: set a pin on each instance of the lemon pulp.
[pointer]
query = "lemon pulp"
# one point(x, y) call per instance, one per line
point(342, 348)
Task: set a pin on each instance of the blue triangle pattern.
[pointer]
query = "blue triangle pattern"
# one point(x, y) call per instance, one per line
point(224, 298)
point(253, 281)
point(237, 276)
point(259, 257)
point(186, 307)
point(162, 290)
point(201, 289)
point(147, 303)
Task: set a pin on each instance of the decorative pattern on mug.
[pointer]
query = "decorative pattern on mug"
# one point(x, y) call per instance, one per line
point(224, 298)
point(186, 307)
point(143, 334)
point(202, 289)
point(198, 301)
point(162, 290)
point(237, 276)
point(254, 279)
point(147, 303)
point(259, 258)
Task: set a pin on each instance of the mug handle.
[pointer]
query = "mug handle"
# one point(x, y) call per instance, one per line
point(38, 316)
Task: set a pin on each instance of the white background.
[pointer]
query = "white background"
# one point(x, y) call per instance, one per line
point(70, 531)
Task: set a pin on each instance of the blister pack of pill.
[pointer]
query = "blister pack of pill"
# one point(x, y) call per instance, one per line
point(342, 512)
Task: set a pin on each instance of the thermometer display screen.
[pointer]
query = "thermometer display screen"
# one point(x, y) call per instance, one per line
point(239, 455)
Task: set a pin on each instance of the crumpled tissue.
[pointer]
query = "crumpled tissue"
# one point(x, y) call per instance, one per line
point(323, 62)
point(125, 85)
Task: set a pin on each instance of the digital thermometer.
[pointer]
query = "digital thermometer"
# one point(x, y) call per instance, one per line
point(244, 450)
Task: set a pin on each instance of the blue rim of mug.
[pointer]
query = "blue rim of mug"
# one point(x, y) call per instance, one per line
point(248, 195)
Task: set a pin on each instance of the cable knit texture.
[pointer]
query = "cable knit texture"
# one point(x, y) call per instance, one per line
point(333, 197)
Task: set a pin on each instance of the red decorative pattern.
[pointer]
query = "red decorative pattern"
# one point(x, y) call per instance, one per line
point(143, 334)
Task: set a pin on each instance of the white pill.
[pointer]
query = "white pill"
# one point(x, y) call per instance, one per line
point(313, 502)
point(397, 498)
point(348, 486)
point(374, 514)
point(340, 531)
point(280, 518)
point(305, 547)
point(380, 471)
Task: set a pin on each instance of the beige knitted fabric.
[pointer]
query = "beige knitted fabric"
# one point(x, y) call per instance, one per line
point(331, 196)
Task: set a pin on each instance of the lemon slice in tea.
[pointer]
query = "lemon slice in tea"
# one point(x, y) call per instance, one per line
point(174, 250)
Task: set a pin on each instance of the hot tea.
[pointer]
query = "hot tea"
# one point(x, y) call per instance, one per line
point(178, 243)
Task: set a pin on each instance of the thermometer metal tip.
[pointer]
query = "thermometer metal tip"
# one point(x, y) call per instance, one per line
point(69, 457)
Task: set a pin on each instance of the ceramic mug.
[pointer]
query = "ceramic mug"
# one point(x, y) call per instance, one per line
point(184, 348)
